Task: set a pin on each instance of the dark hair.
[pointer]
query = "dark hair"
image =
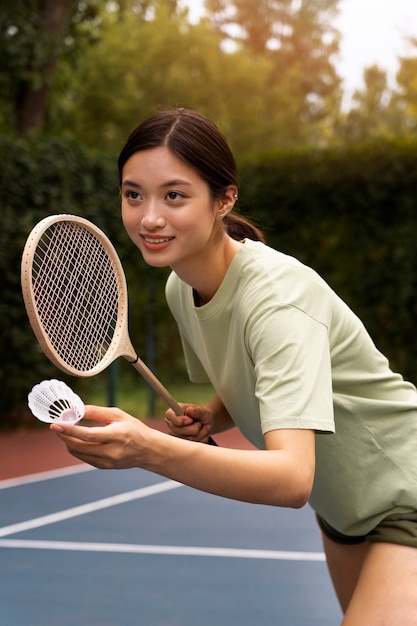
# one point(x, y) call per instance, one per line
point(197, 141)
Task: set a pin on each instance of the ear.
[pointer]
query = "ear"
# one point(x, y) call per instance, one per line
point(225, 204)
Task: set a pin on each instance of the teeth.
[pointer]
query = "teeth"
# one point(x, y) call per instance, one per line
point(158, 240)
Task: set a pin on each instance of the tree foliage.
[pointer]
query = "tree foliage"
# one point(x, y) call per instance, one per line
point(92, 69)
point(120, 60)
point(407, 90)
point(298, 38)
point(379, 112)
point(34, 36)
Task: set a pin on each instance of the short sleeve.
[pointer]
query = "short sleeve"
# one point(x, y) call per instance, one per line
point(291, 356)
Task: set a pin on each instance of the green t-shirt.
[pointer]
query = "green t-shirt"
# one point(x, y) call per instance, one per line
point(282, 350)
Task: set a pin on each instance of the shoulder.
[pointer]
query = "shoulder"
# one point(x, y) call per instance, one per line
point(269, 262)
point(275, 277)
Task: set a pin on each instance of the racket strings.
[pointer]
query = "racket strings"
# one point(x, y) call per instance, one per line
point(76, 294)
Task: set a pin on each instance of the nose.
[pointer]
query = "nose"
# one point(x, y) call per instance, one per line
point(153, 216)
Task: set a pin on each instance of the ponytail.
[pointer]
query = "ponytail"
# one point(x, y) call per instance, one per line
point(238, 227)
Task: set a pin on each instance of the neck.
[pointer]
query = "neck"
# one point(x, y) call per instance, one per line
point(206, 277)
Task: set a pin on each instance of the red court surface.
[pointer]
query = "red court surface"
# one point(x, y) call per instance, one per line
point(32, 451)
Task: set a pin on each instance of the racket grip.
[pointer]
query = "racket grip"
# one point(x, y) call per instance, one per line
point(157, 386)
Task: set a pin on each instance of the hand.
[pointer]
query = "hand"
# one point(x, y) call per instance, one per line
point(196, 424)
point(119, 442)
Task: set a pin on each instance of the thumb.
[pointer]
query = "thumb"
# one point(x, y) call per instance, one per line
point(103, 414)
point(195, 412)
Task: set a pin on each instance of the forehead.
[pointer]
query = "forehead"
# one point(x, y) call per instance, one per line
point(159, 164)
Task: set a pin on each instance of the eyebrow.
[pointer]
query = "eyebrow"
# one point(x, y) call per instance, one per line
point(130, 183)
point(169, 183)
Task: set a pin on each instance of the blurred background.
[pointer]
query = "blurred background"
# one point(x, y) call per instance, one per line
point(325, 137)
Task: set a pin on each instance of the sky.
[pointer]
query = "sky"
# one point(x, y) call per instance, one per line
point(373, 32)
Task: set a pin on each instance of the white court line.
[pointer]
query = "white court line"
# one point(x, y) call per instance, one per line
point(125, 548)
point(39, 476)
point(89, 508)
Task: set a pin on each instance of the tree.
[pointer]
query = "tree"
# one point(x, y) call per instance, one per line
point(260, 100)
point(34, 37)
point(257, 24)
point(379, 112)
point(131, 71)
point(31, 43)
point(299, 40)
point(367, 118)
point(407, 92)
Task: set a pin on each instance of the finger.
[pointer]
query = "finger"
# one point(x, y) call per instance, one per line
point(190, 431)
point(103, 415)
point(177, 420)
point(194, 412)
point(197, 414)
point(204, 434)
point(90, 453)
point(83, 433)
point(172, 414)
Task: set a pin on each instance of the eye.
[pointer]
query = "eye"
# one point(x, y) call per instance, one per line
point(175, 196)
point(133, 196)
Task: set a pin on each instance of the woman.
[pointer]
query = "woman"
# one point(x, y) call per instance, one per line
point(292, 366)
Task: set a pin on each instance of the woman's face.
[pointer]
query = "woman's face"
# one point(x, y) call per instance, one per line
point(167, 209)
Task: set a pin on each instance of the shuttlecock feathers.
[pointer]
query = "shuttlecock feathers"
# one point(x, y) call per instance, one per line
point(53, 401)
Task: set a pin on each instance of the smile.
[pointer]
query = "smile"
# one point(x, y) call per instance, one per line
point(159, 240)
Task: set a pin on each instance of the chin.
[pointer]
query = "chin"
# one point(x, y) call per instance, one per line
point(153, 261)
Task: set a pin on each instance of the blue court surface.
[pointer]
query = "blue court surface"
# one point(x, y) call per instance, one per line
point(125, 548)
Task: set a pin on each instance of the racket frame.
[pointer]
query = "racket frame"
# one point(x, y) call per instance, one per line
point(120, 344)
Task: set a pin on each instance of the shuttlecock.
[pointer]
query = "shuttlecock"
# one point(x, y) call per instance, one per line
point(53, 401)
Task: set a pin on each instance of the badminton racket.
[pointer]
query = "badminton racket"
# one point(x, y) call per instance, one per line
point(75, 293)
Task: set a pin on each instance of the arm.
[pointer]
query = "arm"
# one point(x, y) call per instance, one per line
point(282, 475)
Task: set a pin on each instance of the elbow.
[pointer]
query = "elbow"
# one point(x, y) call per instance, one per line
point(300, 498)
point(295, 496)
point(301, 491)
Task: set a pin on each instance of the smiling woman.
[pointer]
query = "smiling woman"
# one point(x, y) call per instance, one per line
point(178, 189)
point(291, 365)
point(170, 214)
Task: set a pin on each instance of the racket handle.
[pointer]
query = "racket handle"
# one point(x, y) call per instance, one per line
point(157, 386)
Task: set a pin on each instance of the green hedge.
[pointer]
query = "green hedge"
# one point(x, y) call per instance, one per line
point(349, 213)
point(40, 177)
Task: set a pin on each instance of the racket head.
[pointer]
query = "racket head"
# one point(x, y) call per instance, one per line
point(75, 294)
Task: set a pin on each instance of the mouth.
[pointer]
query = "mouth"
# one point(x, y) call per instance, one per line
point(156, 244)
point(156, 240)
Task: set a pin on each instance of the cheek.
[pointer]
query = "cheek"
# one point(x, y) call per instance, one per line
point(131, 227)
point(128, 219)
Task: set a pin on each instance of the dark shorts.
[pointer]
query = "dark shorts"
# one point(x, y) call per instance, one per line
point(400, 528)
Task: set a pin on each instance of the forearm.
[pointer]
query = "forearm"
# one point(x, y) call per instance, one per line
point(259, 476)
point(281, 475)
